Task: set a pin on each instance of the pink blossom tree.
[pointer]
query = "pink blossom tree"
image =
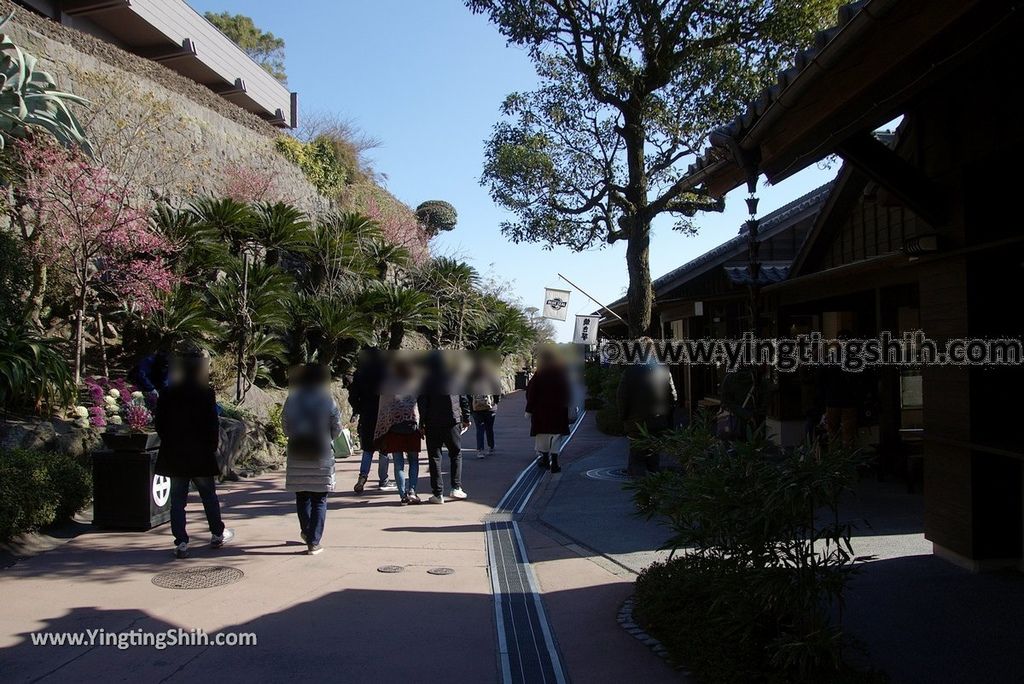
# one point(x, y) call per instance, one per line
point(89, 229)
point(245, 183)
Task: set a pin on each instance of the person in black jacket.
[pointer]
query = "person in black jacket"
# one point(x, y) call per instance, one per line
point(646, 399)
point(444, 415)
point(186, 420)
point(364, 397)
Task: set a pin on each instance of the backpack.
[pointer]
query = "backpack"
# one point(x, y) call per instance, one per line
point(309, 430)
point(483, 402)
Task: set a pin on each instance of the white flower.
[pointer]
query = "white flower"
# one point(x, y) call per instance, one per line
point(115, 420)
point(82, 422)
point(81, 412)
point(110, 401)
point(137, 395)
point(114, 393)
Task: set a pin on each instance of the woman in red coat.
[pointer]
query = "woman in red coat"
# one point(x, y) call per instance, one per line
point(547, 404)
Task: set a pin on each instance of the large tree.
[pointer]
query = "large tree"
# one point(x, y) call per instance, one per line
point(628, 91)
point(263, 47)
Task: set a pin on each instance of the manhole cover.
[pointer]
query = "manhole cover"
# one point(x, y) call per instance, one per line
point(441, 571)
point(390, 569)
point(609, 474)
point(199, 577)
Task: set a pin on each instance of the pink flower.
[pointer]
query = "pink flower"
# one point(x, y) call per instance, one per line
point(138, 417)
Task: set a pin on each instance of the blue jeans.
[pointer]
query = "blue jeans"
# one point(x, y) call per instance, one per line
point(179, 497)
point(484, 428)
point(407, 481)
point(382, 466)
point(312, 509)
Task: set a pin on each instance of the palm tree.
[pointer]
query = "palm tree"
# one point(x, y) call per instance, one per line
point(399, 308)
point(254, 302)
point(278, 228)
point(455, 287)
point(336, 258)
point(197, 246)
point(231, 221)
point(506, 330)
point(383, 256)
point(182, 317)
point(332, 324)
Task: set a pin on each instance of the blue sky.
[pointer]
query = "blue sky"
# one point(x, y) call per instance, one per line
point(427, 78)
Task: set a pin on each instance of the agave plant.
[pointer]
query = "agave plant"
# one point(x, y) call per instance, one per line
point(31, 101)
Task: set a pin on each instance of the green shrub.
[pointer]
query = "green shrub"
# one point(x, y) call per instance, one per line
point(767, 557)
point(275, 426)
point(15, 278)
point(27, 499)
point(33, 375)
point(320, 161)
point(38, 488)
point(71, 481)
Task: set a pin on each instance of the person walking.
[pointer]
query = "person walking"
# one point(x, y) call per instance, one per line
point(186, 420)
point(646, 400)
point(444, 414)
point(364, 398)
point(548, 395)
point(398, 426)
point(311, 422)
point(484, 396)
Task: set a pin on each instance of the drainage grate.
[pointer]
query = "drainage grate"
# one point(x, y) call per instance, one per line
point(441, 571)
point(609, 474)
point(199, 577)
point(390, 569)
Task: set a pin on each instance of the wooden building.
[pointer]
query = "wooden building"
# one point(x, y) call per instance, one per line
point(708, 296)
point(921, 233)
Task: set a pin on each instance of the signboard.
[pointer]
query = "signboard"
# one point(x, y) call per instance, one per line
point(586, 329)
point(556, 304)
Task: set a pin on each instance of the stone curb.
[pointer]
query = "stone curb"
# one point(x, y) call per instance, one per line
point(626, 621)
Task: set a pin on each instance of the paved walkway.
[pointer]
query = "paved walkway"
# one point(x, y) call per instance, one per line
point(331, 615)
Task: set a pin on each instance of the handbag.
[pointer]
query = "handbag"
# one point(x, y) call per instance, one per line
point(343, 447)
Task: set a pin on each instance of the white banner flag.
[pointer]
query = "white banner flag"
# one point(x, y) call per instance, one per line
point(556, 304)
point(586, 329)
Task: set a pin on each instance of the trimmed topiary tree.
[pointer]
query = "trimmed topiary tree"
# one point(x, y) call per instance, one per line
point(436, 216)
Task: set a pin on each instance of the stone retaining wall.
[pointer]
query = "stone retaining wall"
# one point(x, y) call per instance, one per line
point(175, 137)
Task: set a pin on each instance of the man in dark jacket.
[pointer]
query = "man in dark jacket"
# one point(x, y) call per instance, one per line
point(364, 398)
point(646, 399)
point(444, 416)
point(186, 420)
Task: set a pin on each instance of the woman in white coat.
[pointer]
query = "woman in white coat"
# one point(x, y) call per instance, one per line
point(312, 422)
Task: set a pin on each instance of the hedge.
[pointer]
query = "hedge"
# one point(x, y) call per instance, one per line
point(39, 488)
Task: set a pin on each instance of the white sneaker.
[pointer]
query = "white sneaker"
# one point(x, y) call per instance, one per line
point(490, 452)
point(436, 499)
point(457, 493)
point(223, 538)
point(181, 550)
point(480, 453)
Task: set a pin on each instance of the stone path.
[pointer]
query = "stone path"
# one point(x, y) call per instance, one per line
point(331, 615)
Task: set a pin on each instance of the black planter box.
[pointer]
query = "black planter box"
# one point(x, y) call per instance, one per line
point(130, 441)
point(127, 494)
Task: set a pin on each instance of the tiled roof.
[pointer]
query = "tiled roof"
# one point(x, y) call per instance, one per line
point(768, 274)
point(736, 128)
point(768, 226)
